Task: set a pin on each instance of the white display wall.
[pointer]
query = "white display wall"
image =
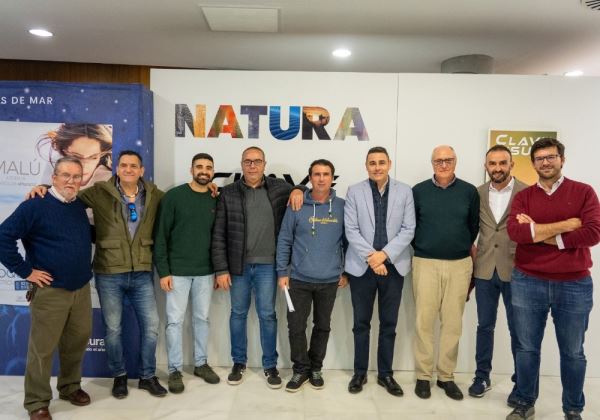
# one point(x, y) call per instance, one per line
point(407, 113)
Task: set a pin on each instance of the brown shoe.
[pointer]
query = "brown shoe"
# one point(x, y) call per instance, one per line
point(40, 414)
point(79, 397)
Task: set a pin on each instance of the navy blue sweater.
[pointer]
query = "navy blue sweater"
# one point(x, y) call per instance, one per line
point(447, 220)
point(56, 237)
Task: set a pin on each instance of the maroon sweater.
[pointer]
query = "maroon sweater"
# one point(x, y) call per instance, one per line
point(571, 199)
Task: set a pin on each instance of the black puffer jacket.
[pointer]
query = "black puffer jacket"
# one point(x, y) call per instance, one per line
point(229, 231)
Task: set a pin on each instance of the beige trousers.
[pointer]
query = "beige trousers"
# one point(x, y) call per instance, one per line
point(440, 289)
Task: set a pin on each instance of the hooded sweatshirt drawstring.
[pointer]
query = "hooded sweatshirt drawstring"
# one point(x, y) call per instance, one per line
point(313, 229)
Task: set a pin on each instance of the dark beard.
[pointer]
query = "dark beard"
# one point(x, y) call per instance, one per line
point(201, 181)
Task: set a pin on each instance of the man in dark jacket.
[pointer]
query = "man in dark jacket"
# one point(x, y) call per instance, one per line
point(249, 214)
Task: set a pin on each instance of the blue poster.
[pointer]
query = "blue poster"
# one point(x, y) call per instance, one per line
point(39, 123)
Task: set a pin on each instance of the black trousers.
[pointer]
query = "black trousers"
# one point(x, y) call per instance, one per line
point(303, 295)
point(363, 290)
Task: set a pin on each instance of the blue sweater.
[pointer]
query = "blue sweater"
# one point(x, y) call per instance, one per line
point(56, 237)
point(313, 237)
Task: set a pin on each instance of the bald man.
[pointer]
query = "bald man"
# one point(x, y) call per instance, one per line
point(447, 215)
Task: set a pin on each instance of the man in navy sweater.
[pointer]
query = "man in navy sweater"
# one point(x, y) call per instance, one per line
point(447, 213)
point(56, 235)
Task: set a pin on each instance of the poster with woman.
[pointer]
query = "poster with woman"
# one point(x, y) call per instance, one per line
point(35, 148)
point(90, 143)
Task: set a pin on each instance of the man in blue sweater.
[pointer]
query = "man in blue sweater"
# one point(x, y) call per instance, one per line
point(56, 235)
point(312, 239)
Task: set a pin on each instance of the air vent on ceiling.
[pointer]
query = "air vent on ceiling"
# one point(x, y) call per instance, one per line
point(241, 19)
point(591, 4)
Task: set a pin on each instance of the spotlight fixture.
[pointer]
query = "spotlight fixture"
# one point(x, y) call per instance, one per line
point(574, 73)
point(41, 32)
point(342, 53)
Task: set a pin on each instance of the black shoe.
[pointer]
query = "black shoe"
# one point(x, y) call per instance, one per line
point(423, 389)
point(295, 384)
point(451, 389)
point(273, 378)
point(572, 415)
point(390, 385)
point(119, 389)
point(316, 379)
point(152, 386)
point(237, 374)
point(522, 412)
point(356, 383)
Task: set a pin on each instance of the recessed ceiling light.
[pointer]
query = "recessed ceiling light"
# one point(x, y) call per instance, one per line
point(41, 32)
point(574, 73)
point(342, 53)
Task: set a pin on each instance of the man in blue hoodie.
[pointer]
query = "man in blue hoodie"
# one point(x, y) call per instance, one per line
point(313, 240)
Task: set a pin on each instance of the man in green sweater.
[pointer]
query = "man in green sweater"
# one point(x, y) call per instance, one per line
point(447, 214)
point(182, 246)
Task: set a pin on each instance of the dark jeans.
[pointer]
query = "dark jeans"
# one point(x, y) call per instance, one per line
point(487, 294)
point(570, 303)
point(303, 295)
point(363, 290)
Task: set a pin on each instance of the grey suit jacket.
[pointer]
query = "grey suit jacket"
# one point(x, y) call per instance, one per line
point(359, 221)
point(494, 247)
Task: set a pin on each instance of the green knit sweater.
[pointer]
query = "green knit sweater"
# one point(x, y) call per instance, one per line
point(182, 235)
point(447, 220)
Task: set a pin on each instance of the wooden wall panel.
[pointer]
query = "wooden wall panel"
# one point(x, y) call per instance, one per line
point(73, 72)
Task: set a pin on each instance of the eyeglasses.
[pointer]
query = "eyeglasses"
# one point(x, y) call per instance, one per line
point(250, 162)
point(65, 177)
point(440, 162)
point(133, 216)
point(549, 158)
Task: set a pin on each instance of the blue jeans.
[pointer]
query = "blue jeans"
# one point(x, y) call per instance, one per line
point(262, 279)
point(138, 286)
point(570, 303)
point(487, 294)
point(201, 288)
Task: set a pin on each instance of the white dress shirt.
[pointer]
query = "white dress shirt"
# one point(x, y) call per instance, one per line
point(499, 199)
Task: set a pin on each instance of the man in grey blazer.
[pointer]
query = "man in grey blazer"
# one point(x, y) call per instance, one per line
point(494, 262)
point(379, 219)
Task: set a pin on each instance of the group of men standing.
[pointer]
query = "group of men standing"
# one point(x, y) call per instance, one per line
point(248, 238)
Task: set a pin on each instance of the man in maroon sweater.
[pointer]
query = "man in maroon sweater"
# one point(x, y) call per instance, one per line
point(554, 223)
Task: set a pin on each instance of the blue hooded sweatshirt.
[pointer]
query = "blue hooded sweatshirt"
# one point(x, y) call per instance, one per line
point(313, 238)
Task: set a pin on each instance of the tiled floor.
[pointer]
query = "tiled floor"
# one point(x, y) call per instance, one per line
point(253, 400)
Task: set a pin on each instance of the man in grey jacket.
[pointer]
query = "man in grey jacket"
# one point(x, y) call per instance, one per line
point(312, 240)
point(494, 262)
point(379, 219)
